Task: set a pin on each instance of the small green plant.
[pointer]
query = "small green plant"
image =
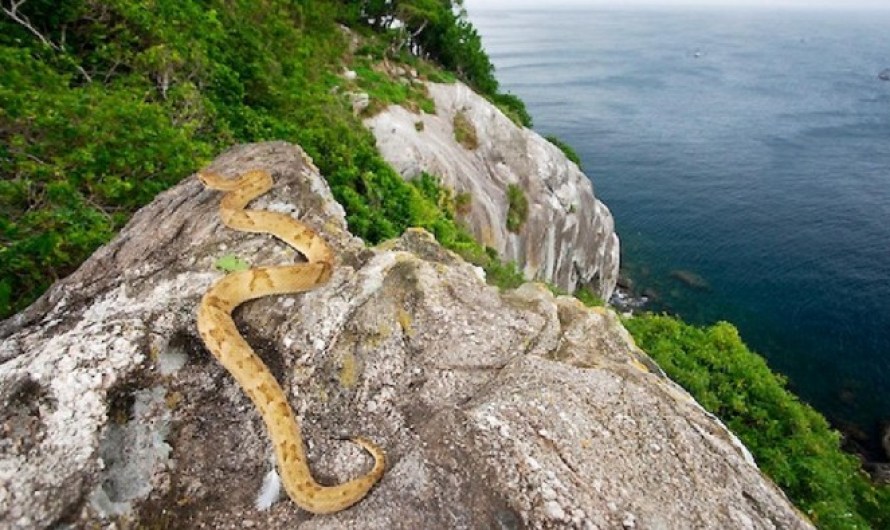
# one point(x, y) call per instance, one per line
point(463, 202)
point(464, 131)
point(565, 148)
point(503, 275)
point(231, 263)
point(418, 126)
point(517, 208)
point(588, 297)
point(583, 294)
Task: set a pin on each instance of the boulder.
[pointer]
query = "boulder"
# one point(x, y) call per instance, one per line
point(510, 410)
point(569, 236)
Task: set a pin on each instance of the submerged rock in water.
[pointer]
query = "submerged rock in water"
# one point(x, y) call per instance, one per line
point(691, 279)
point(626, 300)
point(885, 74)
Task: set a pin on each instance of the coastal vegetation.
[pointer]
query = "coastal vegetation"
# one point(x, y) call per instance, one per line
point(513, 108)
point(565, 148)
point(791, 442)
point(105, 104)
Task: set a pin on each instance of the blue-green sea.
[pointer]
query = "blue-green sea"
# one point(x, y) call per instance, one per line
point(749, 147)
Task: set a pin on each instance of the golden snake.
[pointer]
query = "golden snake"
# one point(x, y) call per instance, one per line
point(222, 338)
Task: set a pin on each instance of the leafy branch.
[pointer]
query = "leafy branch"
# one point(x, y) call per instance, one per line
point(12, 11)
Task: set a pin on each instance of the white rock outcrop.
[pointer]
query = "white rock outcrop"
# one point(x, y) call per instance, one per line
point(569, 237)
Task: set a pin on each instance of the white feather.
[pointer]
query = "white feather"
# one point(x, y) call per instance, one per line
point(270, 490)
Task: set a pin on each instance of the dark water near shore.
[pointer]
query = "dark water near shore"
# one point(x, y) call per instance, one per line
point(751, 148)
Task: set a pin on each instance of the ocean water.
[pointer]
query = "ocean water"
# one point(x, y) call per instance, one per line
point(749, 147)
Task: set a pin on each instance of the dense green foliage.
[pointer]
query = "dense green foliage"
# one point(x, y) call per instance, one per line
point(791, 442)
point(565, 148)
point(440, 30)
point(517, 208)
point(125, 98)
point(432, 28)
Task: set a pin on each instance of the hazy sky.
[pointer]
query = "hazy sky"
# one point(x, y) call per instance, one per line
point(875, 4)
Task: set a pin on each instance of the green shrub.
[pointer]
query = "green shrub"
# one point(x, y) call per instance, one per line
point(791, 442)
point(588, 297)
point(513, 107)
point(566, 149)
point(517, 208)
point(464, 131)
point(503, 275)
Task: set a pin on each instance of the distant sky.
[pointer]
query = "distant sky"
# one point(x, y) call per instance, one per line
point(863, 4)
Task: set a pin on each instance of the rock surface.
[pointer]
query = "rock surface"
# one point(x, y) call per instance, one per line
point(569, 237)
point(497, 410)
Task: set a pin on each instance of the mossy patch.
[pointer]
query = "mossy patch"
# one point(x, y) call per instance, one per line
point(517, 208)
point(588, 297)
point(405, 321)
point(464, 131)
point(348, 375)
point(463, 202)
point(173, 399)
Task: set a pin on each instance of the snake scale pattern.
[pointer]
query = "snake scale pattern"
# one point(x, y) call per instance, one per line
point(218, 331)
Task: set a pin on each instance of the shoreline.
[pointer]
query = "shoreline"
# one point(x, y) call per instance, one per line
point(870, 444)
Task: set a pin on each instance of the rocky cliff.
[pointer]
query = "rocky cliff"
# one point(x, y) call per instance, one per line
point(508, 410)
point(568, 238)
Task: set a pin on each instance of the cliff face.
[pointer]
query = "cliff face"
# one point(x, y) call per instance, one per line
point(509, 410)
point(568, 238)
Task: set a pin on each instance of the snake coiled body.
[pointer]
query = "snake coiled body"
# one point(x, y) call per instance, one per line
point(218, 331)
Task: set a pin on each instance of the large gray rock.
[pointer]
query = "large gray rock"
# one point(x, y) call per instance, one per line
point(513, 410)
point(569, 238)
